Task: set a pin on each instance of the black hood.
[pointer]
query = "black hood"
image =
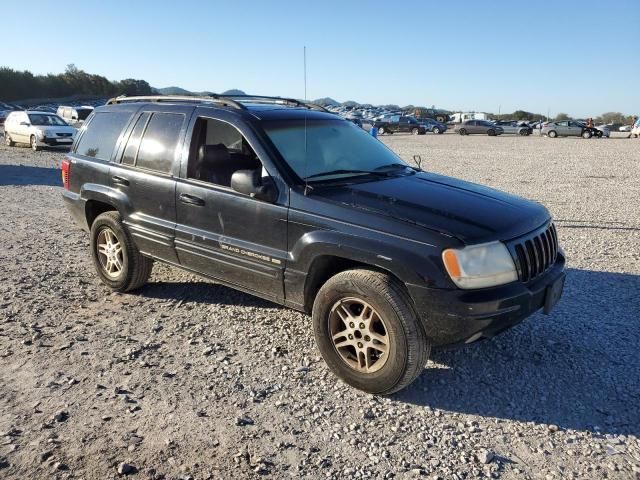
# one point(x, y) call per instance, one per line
point(473, 213)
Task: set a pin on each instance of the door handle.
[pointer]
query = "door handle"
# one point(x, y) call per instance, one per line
point(120, 180)
point(191, 200)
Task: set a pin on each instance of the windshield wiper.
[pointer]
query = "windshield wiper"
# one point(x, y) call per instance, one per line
point(346, 171)
point(396, 166)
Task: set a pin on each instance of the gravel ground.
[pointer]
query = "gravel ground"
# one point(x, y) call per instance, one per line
point(188, 379)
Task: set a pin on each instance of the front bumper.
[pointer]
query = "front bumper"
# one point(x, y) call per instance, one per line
point(56, 141)
point(458, 316)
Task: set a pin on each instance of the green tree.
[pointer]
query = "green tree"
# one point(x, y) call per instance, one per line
point(562, 116)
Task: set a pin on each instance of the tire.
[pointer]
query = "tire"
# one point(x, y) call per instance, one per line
point(7, 140)
point(552, 134)
point(135, 268)
point(381, 131)
point(462, 131)
point(586, 134)
point(415, 131)
point(440, 119)
point(388, 304)
point(34, 143)
point(599, 134)
point(491, 132)
point(436, 130)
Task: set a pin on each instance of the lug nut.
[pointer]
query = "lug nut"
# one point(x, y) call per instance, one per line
point(360, 345)
point(362, 326)
point(350, 337)
point(352, 325)
point(367, 338)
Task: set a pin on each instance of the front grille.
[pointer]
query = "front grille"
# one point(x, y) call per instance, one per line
point(63, 134)
point(535, 253)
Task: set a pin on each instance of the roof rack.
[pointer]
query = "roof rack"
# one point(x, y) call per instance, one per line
point(224, 101)
point(235, 101)
point(274, 100)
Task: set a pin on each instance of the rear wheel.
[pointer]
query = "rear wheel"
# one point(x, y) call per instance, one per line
point(415, 131)
point(552, 134)
point(381, 131)
point(7, 140)
point(119, 263)
point(436, 130)
point(368, 332)
point(462, 131)
point(586, 134)
point(34, 143)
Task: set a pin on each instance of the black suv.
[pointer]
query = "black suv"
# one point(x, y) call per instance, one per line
point(400, 123)
point(299, 206)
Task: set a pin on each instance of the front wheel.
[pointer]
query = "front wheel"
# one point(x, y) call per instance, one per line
point(119, 263)
point(436, 130)
point(381, 131)
point(7, 140)
point(368, 332)
point(491, 133)
point(34, 143)
point(415, 131)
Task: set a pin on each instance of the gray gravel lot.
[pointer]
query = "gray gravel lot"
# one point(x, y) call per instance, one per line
point(188, 379)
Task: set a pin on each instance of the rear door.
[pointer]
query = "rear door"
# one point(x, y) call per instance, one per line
point(220, 232)
point(146, 173)
point(404, 124)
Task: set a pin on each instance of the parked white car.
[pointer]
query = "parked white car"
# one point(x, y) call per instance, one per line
point(38, 129)
point(625, 128)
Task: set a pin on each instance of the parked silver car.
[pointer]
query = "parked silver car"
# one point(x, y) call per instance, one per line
point(479, 126)
point(566, 128)
point(514, 128)
point(38, 129)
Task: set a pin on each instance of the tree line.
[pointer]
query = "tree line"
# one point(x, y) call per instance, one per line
point(20, 85)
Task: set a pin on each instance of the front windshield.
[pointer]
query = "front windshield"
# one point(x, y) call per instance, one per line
point(329, 146)
point(40, 119)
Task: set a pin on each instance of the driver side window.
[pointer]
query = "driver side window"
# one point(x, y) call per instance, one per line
point(218, 149)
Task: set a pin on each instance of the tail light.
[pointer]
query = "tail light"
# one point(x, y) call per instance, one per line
point(65, 167)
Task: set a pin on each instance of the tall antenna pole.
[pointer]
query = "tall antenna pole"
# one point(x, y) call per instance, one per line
point(304, 60)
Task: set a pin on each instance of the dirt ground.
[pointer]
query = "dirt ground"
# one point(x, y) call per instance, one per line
point(188, 379)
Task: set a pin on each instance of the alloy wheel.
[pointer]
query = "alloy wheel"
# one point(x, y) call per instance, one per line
point(110, 253)
point(359, 335)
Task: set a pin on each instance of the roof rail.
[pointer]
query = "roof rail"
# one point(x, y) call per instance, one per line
point(274, 100)
point(224, 101)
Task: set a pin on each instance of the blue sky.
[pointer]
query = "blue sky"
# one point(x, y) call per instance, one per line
point(579, 57)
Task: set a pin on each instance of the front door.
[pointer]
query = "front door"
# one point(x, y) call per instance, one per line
point(222, 233)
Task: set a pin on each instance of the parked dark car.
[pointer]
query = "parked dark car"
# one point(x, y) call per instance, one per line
point(432, 125)
point(483, 127)
point(293, 204)
point(400, 124)
point(438, 115)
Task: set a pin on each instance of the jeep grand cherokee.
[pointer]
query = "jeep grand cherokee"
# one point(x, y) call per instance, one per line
point(290, 203)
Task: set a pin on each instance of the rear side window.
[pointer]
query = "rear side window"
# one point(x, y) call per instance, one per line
point(159, 142)
point(130, 152)
point(102, 134)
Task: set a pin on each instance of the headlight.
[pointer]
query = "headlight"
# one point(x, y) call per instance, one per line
point(480, 266)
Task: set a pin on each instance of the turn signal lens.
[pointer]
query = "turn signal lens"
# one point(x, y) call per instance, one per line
point(451, 263)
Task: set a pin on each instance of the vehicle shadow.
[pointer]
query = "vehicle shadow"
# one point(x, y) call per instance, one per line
point(27, 175)
point(203, 292)
point(578, 368)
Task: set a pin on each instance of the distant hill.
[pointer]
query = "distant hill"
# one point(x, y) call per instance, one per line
point(325, 101)
point(182, 91)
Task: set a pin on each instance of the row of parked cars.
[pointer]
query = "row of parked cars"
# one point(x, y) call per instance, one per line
point(42, 126)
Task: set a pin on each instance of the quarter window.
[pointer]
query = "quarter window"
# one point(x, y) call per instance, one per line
point(158, 146)
point(102, 134)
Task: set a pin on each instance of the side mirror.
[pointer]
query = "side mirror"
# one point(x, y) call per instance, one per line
point(249, 182)
point(26, 124)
